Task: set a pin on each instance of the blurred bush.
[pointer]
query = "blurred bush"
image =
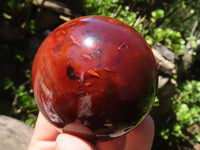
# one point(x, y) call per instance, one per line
point(174, 24)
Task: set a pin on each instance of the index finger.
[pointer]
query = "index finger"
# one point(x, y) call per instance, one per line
point(44, 131)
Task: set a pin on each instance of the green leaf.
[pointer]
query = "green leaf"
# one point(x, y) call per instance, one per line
point(197, 138)
point(19, 57)
point(158, 14)
point(6, 83)
point(149, 39)
point(156, 102)
point(165, 134)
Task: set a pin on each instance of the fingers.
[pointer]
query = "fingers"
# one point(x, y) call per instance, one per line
point(116, 144)
point(70, 142)
point(141, 138)
point(47, 137)
point(44, 135)
point(42, 145)
point(78, 129)
point(44, 131)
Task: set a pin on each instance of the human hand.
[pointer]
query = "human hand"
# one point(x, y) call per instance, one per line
point(48, 137)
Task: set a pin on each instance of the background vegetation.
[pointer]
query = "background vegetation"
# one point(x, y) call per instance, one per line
point(174, 24)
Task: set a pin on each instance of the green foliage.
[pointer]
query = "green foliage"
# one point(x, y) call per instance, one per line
point(186, 106)
point(168, 37)
point(157, 14)
point(19, 12)
point(177, 130)
point(165, 133)
point(18, 4)
point(170, 133)
point(101, 7)
point(156, 102)
point(111, 8)
point(149, 28)
point(31, 26)
point(126, 15)
point(15, 87)
point(188, 12)
point(192, 39)
point(23, 106)
point(187, 103)
point(6, 84)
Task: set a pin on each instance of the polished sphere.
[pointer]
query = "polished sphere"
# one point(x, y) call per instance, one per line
point(95, 77)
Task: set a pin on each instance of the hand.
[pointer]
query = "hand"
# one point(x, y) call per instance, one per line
point(48, 137)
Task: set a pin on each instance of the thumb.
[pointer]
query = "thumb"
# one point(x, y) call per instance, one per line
point(70, 142)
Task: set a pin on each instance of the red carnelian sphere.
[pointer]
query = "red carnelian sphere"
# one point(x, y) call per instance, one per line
point(95, 77)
